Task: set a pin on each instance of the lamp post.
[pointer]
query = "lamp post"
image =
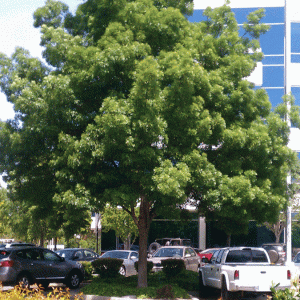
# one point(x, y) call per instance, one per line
point(287, 91)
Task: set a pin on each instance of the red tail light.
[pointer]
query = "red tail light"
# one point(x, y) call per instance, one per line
point(288, 274)
point(236, 274)
point(6, 263)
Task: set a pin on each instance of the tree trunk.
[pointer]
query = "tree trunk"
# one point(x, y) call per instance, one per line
point(228, 242)
point(143, 227)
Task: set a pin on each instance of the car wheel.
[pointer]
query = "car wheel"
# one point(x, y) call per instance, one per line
point(24, 281)
point(225, 294)
point(73, 280)
point(122, 271)
point(202, 288)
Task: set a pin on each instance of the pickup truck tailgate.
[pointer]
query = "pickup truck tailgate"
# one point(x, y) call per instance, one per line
point(262, 277)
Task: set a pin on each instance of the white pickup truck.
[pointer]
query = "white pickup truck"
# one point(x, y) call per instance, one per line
point(240, 269)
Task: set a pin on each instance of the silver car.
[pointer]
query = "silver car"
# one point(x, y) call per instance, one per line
point(129, 258)
point(187, 254)
point(28, 265)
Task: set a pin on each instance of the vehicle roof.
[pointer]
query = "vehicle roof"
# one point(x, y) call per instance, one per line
point(177, 246)
point(121, 251)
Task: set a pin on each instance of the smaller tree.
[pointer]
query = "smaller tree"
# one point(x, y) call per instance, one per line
point(277, 227)
point(114, 218)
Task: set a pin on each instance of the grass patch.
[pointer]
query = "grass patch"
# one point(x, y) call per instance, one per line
point(122, 286)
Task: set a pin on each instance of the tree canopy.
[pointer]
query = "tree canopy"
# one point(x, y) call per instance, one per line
point(137, 106)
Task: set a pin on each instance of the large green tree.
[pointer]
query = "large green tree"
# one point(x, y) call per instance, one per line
point(138, 107)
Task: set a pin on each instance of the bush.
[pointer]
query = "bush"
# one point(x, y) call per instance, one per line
point(149, 266)
point(172, 267)
point(107, 267)
point(88, 269)
point(286, 294)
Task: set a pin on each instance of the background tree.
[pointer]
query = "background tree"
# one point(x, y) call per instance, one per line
point(140, 106)
point(120, 221)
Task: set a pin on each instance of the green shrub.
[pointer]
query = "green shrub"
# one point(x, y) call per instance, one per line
point(107, 267)
point(149, 266)
point(88, 269)
point(286, 294)
point(172, 267)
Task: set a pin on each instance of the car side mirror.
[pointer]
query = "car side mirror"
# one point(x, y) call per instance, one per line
point(75, 257)
point(205, 260)
point(133, 257)
point(188, 255)
point(62, 259)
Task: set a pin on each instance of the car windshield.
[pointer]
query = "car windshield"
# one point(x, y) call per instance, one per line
point(116, 254)
point(65, 253)
point(169, 252)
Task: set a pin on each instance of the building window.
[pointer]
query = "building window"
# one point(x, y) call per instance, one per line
point(295, 42)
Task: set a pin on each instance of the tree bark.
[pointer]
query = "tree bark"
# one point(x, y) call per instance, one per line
point(143, 227)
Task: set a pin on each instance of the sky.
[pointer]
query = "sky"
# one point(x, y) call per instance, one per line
point(16, 23)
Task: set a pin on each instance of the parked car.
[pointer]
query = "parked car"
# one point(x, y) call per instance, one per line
point(296, 260)
point(207, 254)
point(78, 254)
point(188, 254)
point(168, 242)
point(129, 258)
point(28, 265)
point(19, 244)
point(276, 252)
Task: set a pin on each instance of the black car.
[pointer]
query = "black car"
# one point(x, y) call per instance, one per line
point(78, 254)
point(28, 265)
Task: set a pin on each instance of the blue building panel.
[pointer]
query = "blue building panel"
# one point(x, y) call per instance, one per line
point(295, 38)
point(273, 76)
point(275, 96)
point(295, 58)
point(272, 42)
point(273, 60)
point(272, 14)
point(296, 93)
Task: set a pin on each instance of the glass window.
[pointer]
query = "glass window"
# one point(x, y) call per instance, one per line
point(275, 96)
point(295, 38)
point(50, 256)
point(32, 254)
point(273, 60)
point(89, 254)
point(78, 255)
point(272, 42)
point(296, 93)
point(273, 76)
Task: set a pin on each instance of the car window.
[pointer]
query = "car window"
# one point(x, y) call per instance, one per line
point(32, 254)
point(116, 254)
point(78, 254)
point(219, 258)
point(190, 252)
point(297, 258)
point(89, 253)
point(134, 254)
point(214, 256)
point(65, 253)
point(169, 252)
point(50, 256)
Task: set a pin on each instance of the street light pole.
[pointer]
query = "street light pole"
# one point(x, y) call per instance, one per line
point(287, 92)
